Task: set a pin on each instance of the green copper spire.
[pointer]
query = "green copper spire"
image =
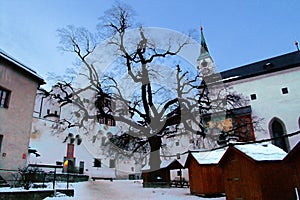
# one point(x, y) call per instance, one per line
point(204, 53)
point(203, 42)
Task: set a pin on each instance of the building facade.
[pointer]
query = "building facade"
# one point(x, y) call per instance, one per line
point(270, 91)
point(18, 86)
point(272, 88)
point(225, 114)
point(96, 151)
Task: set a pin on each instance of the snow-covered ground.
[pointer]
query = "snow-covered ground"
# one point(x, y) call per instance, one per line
point(127, 190)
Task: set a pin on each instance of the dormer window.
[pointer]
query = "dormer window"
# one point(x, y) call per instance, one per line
point(284, 90)
point(268, 65)
point(253, 96)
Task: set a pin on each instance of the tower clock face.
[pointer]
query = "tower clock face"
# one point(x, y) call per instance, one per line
point(204, 64)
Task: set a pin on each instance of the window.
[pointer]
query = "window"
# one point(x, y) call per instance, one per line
point(1, 138)
point(112, 163)
point(284, 90)
point(106, 120)
point(97, 162)
point(109, 122)
point(253, 96)
point(245, 128)
point(4, 97)
point(103, 140)
point(101, 119)
point(277, 131)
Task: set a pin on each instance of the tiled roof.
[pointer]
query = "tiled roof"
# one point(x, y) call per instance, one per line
point(270, 65)
point(22, 67)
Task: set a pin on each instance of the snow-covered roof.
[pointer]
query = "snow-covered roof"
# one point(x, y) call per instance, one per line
point(270, 65)
point(262, 152)
point(209, 157)
point(182, 159)
point(21, 66)
point(163, 164)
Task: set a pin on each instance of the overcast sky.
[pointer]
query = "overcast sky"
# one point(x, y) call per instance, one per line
point(237, 32)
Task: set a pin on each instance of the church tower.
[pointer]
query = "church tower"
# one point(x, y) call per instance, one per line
point(205, 62)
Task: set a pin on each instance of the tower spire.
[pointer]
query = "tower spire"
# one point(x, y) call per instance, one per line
point(204, 53)
point(205, 62)
point(204, 48)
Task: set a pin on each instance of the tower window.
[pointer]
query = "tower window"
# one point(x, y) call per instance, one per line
point(253, 96)
point(284, 90)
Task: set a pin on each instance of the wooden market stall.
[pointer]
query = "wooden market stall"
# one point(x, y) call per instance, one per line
point(292, 160)
point(160, 177)
point(205, 177)
point(256, 171)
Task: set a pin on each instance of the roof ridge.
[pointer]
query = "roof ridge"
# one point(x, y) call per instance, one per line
point(10, 58)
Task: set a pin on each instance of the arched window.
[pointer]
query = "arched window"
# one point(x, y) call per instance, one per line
point(277, 130)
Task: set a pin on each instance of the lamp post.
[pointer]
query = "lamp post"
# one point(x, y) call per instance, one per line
point(69, 160)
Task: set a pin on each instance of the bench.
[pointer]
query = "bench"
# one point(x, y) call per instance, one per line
point(101, 178)
point(177, 183)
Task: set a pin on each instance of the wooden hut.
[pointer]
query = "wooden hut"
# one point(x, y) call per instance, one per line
point(255, 171)
point(161, 177)
point(205, 177)
point(292, 160)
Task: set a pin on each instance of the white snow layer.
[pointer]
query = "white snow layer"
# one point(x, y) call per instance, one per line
point(209, 157)
point(262, 152)
point(128, 190)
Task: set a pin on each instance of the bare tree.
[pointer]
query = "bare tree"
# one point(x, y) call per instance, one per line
point(149, 114)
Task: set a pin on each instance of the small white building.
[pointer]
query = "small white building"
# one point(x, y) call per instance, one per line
point(46, 106)
point(95, 151)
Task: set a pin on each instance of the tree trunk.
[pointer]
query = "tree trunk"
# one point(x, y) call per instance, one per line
point(154, 160)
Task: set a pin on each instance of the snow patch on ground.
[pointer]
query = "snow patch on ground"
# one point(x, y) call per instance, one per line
point(127, 190)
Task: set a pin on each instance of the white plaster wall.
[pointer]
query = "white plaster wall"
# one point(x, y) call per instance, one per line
point(43, 104)
point(271, 102)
